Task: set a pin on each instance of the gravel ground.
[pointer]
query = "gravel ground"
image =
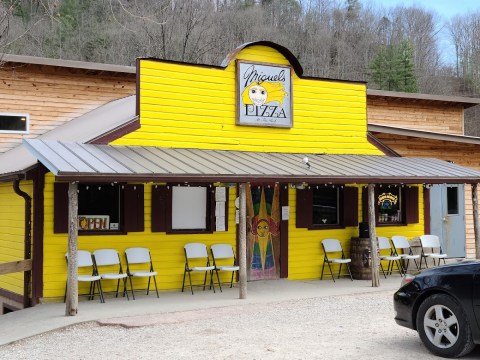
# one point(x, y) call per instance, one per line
point(337, 327)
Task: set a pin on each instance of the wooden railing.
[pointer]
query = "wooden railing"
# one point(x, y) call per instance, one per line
point(15, 266)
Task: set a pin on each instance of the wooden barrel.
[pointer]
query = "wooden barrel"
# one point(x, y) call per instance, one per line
point(360, 253)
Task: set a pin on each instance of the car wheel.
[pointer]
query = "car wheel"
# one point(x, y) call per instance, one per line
point(443, 327)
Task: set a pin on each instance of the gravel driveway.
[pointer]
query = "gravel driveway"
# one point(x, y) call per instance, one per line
point(337, 327)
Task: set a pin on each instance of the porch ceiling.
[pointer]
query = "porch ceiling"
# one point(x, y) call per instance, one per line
point(106, 163)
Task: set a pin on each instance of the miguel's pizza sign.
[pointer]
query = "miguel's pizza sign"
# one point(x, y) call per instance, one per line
point(264, 95)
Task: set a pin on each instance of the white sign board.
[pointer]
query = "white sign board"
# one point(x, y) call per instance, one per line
point(264, 95)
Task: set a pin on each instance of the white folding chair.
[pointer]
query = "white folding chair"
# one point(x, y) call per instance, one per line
point(431, 249)
point(197, 253)
point(107, 260)
point(84, 260)
point(140, 257)
point(388, 254)
point(402, 243)
point(334, 247)
point(224, 260)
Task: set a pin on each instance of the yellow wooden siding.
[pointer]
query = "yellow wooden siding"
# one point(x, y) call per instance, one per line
point(12, 232)
point(305, 254)
point(188, 106)
point(166, 250)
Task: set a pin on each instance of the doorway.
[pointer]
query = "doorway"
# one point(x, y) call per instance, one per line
point(447, 218)
point(263, 231)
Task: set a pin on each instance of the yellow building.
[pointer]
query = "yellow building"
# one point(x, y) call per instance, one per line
point(162, 169)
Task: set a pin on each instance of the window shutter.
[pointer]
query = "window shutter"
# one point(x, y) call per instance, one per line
point(365, 204)
point(411, 205)
point(60, 208)
point(304, 208)
point(213, 204)
point(159, 208)
point(350, 206)
point(133, 207)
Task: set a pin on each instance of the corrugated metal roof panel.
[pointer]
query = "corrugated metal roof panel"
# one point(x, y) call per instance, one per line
point(169, 164)
point(113, 115)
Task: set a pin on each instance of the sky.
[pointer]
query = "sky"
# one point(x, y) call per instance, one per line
point(446, 10)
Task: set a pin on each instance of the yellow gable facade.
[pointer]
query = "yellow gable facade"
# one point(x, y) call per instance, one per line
point(191, 106)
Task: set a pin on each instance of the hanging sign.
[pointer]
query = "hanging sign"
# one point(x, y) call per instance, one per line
point(264, 95)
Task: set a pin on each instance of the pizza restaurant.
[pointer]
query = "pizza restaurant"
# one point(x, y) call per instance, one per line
point(250, 153)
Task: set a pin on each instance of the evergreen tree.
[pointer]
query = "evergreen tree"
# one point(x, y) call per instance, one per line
point(393, 68)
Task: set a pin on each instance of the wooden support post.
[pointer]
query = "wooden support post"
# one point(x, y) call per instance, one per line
point(72, 280)
point(476, 224)
point(242, 251)
point(373, 236)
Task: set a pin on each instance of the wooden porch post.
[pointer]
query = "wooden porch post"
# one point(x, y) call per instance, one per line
point(373, 236)
point(72, 280)
point(242, 251)
point(476, 224)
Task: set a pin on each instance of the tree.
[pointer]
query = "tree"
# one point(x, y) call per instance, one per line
point(393, 70)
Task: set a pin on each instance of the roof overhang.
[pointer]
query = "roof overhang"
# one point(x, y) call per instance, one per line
point(423, 134)
point(117, 117)
point(106, 163)
point(463, 101)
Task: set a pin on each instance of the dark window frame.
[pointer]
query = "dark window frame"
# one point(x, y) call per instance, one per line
point(161, 215)
point(410, 212)
point(131, 205)
point(348, 208)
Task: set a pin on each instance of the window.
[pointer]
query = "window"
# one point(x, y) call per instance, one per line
point(98, 207)
point(189, 208)
point(15, 123)
point(324, 207)
point(102, 208)
point(389, 205)
point(452, 200)
point(394, 205)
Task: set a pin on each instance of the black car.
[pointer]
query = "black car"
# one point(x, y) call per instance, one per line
point(443, 305)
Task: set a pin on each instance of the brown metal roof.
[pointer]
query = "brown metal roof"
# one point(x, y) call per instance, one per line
point(106, 163)
point(90, 66)
point(392, 130)
point(466, 102)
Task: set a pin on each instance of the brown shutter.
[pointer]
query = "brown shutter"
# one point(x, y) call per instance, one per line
point(411, 205)
point(426, 211)
point(60, 208)
point(159, 208)
point(365, 204)
point(283, 233)
point(133, 207)
point(304, 208)
point(350, 206)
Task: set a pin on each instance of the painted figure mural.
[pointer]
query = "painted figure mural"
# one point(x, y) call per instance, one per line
point(263, 215)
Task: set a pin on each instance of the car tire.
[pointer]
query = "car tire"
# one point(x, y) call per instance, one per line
point(443, 327)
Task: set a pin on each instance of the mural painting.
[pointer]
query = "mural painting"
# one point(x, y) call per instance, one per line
point(263, 232)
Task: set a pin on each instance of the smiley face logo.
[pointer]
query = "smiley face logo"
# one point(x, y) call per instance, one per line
point(258, 95)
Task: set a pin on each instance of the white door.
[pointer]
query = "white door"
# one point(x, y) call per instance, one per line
point(447, 218)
